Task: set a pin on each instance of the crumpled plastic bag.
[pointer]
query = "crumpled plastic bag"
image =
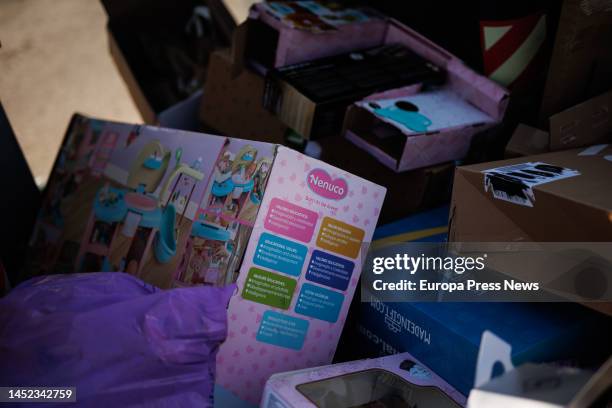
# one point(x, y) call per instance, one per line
point(118, 340)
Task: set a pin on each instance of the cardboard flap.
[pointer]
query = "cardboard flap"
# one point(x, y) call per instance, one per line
point(584, 124)
point(580, 65)
point(527, 141)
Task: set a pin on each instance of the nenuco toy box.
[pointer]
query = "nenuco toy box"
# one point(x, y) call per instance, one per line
point(177, 208)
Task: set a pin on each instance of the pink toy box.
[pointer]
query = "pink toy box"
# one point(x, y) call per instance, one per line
point(413, 127)
point(177, 208)
point(393, 381)
point(283, 33)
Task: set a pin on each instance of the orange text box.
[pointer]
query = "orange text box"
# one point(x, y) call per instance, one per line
point(340, 237)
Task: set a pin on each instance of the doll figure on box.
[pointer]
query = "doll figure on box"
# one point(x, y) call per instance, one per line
point(260, 178)
point(222, 186)
point(242, 173)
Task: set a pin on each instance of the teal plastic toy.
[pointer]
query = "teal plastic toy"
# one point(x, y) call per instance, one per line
point(165, 245)
point(405, 113)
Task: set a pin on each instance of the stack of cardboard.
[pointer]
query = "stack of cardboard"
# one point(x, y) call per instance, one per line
point(239, 81)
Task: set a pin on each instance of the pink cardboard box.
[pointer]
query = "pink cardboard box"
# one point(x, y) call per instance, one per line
point(177, 208)
point(427, 126)
point(392, 381)
point(283, 33)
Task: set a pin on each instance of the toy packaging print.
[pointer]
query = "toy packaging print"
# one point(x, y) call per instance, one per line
point(177, 208)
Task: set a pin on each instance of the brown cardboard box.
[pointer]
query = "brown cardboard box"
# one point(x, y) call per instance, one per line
point(407, 192)
point(232, 102)
point(581, 62)
point(585, 124)
point(573, 209)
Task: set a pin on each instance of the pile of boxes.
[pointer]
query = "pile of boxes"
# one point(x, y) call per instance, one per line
point(368, 105)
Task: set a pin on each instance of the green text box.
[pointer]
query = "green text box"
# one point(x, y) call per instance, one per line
point(268, 288)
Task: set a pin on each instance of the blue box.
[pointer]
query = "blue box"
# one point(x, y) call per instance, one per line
point(280, 254)
point(446, 336)
point(329, 270)
point(320, 303)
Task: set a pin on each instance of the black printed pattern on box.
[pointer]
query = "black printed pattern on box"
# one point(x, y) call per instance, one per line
point(514, 183)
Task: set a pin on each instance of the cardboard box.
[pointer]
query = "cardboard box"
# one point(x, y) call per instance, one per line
point(532, 386)
point(535, 385)
point(284, 33)
point(581, 62)
point(568, 200)
point(178, 208)
point(434, 332)
point(446, 336)
point(571, 203)
point(527, 141)
point(407, 192)
point(399, 380)
point(375, 131)
point(232, 104)
point(160, 56)
point(585, 124)
point(311, 97)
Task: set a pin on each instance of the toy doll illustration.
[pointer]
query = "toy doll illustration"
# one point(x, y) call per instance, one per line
point(222, 186)
point(242, 174)
point(222, 179)
point(260, 178)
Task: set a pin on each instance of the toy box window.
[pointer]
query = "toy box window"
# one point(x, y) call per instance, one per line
point(372, 388)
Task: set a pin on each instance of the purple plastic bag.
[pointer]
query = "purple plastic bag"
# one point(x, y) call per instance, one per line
point(118, 340)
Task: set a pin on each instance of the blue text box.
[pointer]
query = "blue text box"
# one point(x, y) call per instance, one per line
point(280, 254)
point(320, 303)
point(329, 270)
point(282, 330)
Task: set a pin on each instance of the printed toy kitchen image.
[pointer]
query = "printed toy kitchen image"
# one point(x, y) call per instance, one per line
point(285, 232)
point(174, 210)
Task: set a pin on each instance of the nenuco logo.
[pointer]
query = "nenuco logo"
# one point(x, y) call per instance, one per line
point(321, 183)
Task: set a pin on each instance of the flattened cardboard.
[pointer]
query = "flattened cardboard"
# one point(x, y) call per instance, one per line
point(581, 62)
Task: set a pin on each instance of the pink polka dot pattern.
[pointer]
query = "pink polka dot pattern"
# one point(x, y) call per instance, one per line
point(244, 364)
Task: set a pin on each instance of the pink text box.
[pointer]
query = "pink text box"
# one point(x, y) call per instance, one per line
point(290, 220)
